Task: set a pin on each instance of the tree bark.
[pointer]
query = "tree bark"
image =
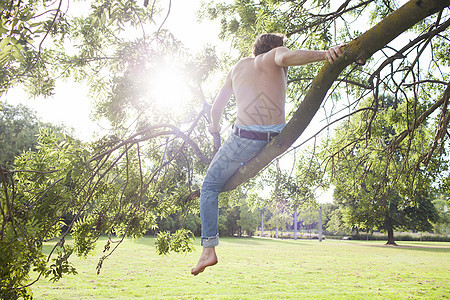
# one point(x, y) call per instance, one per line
point(360, 50)
point(390, 240)
point(262, 223)
point(320, 223)
point(295, 225)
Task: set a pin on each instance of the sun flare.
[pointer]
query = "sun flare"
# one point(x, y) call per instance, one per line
point(168, 89)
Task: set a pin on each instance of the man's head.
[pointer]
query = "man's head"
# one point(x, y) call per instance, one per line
point(267, 41)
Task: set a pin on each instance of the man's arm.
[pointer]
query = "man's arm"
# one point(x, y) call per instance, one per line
point(219, 105)
point(285, 57)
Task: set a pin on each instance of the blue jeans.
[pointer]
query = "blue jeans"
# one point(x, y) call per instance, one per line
point(234, 153)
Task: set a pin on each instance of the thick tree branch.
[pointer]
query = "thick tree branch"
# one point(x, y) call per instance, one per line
point(348, 81)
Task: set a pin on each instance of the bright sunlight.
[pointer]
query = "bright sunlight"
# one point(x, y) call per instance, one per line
point(168, 89)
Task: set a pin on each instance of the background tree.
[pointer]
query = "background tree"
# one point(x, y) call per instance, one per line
point(442, 203)
point(308, 217)
point(249, 218)
point(370, 184)
point(280, 218)
point(19, 129)
point(228, 220)
point(333, 220)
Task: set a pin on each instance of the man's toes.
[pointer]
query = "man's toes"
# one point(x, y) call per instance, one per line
point(196, 271)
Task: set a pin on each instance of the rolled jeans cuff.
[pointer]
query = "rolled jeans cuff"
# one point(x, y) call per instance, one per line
point(210, 242)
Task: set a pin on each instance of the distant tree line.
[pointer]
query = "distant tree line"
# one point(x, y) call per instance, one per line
point(240, 220)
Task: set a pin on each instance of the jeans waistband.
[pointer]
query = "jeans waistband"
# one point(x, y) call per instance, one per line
point(254, 135)
point(262, 128)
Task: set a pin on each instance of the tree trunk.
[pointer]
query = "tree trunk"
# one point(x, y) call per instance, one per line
point(359, 49)
point(295, 225)
point(262, 223)
point(320, 223)
point(390, 240)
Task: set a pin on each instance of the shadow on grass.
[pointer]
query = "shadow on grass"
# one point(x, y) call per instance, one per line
point(257, 240)
point(150, 240)
point(424, 248)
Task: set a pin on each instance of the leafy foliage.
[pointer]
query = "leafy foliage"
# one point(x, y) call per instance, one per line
point(180, 241)
point(34, 199)
point(249, 219)
point(373, 186)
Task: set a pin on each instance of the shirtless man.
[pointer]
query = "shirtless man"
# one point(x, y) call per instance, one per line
point(259, 86)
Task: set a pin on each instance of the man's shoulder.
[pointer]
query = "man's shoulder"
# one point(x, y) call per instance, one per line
point(270, 55)
point(245, 60)
point(268, 59)
point(243, 63)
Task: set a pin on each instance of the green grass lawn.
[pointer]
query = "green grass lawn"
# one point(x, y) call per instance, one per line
point(262, 269)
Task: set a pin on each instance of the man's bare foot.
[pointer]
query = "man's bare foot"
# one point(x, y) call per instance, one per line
point(207, 259)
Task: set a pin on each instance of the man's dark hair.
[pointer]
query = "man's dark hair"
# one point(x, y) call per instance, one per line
point(267, 41)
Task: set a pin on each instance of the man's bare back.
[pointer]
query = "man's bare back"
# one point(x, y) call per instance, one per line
point(259, 86)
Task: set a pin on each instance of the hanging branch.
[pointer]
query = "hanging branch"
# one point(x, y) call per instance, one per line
point(444, 99)
point(331, 16)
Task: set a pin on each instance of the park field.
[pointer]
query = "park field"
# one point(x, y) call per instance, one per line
point(262, 269)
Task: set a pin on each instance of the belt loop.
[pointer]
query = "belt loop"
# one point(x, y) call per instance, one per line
point(268, 137)
point(239, 131)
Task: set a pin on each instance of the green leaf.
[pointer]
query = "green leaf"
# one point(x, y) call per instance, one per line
point(16, 53)
point(4, 42)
